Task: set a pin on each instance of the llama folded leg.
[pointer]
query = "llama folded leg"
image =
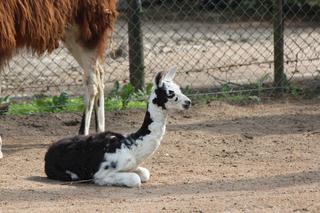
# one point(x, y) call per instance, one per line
point(143, 173)
point(128, 179)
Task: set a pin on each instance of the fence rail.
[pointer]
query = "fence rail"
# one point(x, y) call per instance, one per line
point(211, 42)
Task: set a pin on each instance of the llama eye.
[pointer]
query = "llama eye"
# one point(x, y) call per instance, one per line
point(171, 94)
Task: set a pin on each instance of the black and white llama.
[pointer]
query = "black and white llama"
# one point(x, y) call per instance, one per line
point(110, 158)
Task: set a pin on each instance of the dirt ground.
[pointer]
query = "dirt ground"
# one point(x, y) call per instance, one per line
point(216, 157)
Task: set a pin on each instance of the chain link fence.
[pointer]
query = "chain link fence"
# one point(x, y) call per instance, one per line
point(211, 42)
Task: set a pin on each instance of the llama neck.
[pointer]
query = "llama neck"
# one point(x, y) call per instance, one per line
point(148, 137)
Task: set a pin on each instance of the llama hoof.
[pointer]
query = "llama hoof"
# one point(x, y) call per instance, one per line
point(133, 181)
point(143, 173)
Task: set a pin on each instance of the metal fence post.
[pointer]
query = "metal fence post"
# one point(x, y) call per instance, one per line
point(278, 28)
point(136, 57)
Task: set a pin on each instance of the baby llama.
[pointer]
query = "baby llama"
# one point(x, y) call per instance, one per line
point(110, 158)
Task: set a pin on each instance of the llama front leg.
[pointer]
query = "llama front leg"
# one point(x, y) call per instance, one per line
point(100, 116)
point(143, 173)
point(89, 104)
point(99, 105)
point(128, 179)
point(93, 80)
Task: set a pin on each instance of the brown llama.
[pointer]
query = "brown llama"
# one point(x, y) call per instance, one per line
point(82, 25)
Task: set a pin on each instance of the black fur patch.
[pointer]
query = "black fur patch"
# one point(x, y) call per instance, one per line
point(161, 98)
point(171, 94)
point(158, 78)
point(113, 164)
point(96, 119)
point(81, 154)
point(81, 130)
point(144, 130)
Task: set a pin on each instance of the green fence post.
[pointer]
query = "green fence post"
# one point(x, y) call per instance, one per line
point(136, 57)
point(278, 28)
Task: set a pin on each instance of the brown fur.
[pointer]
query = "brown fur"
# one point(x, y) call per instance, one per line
point(39, 24)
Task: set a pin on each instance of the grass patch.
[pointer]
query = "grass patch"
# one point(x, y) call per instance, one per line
point(126, 98)
point(73, 105)
point(120, 98)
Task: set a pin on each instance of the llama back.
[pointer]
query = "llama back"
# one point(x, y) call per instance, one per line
point(39, 24)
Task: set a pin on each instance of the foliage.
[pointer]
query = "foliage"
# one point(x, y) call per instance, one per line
point(187, 90)
point(295, 91)
point(126, 94)
point(41, 104)
point(4, 104)
point(119, 98)
point(54, 104)
point(5, 100)
point(232, 96)
point(225, 90)
point(125, 97)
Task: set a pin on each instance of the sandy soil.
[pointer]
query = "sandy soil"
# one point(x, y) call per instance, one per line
point(216, 157)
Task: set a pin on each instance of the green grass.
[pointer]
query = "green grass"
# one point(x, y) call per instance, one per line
point(73, 105)
point(126, 98)
point(120, 98)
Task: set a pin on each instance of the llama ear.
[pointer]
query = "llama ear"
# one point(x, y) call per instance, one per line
point(171, 74)
point(157, 81)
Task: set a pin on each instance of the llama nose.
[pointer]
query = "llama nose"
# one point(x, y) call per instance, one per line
point(187, 104)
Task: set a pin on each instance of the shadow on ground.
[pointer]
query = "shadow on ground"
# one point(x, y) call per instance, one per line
point(61, 190)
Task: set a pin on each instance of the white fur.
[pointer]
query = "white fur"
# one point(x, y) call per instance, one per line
point(143, 173)
point(73, 176)
point(128, 179)
point(128, 159)
point(150, 143)
point(127, 171)
point(170, 74)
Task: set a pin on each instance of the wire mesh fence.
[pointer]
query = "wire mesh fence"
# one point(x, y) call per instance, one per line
point(211, 42)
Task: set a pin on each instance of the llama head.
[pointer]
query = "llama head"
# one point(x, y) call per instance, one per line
point(167, 94)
